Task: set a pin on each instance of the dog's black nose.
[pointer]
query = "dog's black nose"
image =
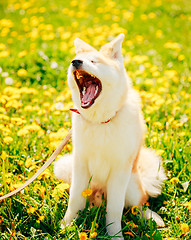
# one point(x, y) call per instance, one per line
point(77, 63)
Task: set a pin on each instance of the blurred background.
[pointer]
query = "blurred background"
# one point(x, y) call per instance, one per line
point(36, 48)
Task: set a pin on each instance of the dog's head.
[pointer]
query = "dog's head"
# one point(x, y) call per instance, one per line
point(98, 80)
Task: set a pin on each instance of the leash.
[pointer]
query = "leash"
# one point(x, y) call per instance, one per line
point(47, 163)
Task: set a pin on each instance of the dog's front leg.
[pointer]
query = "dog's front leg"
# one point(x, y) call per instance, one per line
point(80, 178)
point(116, 189)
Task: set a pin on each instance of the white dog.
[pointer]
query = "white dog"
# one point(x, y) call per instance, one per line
point(108, 133)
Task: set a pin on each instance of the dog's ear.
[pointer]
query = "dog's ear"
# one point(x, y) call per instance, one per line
point(82, 46)
point(113, 49)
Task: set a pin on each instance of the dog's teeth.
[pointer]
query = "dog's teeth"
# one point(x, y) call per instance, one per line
point(84, 90)
point(96, 90)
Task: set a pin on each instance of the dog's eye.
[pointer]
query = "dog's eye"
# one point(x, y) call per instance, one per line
point(93, 61)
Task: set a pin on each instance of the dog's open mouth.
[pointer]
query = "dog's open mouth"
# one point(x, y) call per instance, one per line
point(89, 87)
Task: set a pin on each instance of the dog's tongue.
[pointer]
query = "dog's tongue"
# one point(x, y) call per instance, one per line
point(88, 95)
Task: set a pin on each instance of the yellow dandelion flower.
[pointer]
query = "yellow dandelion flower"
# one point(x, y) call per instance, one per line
point(41, 112)
point(4, 54)
point(188, 205)
point(170, 73)
point(41, 218)
point(67, 106)
point(147, 235)
point(14, 104)
point(8, 140)
point(139, 38)
point(3, 155)
point(46, 105)
point(55, 136)
point(83, 236)
point(68, 147)
point(158, 125)
point(9, 91)
point(172, 45)
point(20, 163)
point(160, 102)
point(22, 54)
point(159, 33)
point(159, 152)
point(2, 110)
point(132, 224)
point(129, 233)
point(63, 132)
point(181, 57)
point(60, 98)
point(60, 189)
point(28, 162)
point(93, 235)
point(174, 180)
point(152, 15)
point(54, 144)
point(147, 204)
point(8, 180)
point(32, 167)
point(135, 210)
point(87, 192)
point(4, 117)
point(42, 191)
point(22, 72)
point(45, 174)
point(56, 113)
point(31, 210)
point(52, 90)
point(22, 132)
point(40, 133)
point(17, 121)
point(184, 227)
point(16, 185)
point(33, 127)
point(140, 58)
point(28, 108)
point(177, 218)
point(2, 46)
point(144, 17)
point(47, 94)
point(128, 15)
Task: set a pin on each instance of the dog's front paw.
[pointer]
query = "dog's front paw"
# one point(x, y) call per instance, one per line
point(114, 232)
point(62, 224)
point(67, 220)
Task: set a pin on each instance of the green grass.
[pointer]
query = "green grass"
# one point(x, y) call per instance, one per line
point(38, 36)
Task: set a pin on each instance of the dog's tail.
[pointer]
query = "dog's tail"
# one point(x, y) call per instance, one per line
point(151, 172)
point(63, 168)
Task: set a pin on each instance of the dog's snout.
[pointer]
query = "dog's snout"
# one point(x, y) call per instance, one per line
point(77, 63)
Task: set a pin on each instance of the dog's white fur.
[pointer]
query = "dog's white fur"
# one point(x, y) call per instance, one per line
point(111, 153)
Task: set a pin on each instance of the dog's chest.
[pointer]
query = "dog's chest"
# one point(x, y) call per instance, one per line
point(109, 146)
point(103, 148)
point(94, 148)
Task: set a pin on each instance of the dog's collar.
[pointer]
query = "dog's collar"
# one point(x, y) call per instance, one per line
point(76, 111)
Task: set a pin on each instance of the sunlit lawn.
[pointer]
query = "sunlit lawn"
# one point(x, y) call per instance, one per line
point(36, 47)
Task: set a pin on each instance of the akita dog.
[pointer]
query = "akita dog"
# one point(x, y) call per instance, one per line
point(108, 132)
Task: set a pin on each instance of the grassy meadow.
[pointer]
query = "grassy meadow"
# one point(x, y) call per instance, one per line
point(36, 47)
